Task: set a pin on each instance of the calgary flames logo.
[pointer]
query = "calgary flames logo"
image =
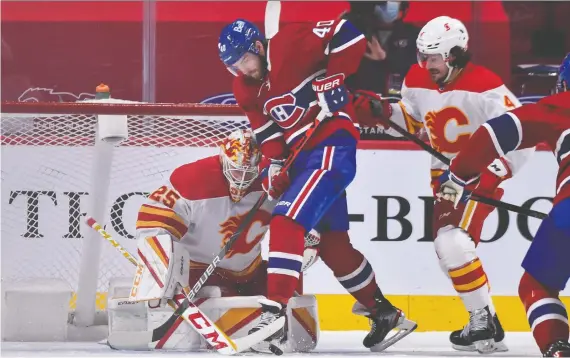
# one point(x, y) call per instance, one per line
point(250, 237)
point(437, 123)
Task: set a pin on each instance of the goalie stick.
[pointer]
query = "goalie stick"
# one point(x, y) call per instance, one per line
point(187, 311)
point(442, 158)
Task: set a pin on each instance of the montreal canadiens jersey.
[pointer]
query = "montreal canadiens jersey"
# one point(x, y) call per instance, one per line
point(450, 115)
point(194, 208)
point(283, 105)
point(546, 121)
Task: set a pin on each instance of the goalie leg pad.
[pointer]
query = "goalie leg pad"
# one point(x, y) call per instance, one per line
point(164, 264)
point(181, 337)
point(458, 258)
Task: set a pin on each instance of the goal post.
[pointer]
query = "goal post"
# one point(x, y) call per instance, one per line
point(55, 169)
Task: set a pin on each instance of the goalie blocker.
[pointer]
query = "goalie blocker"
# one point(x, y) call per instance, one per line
point(134, 310)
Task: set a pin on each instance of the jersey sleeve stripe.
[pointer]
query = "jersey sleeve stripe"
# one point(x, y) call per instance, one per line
point(505, 132)
point(345, 35)
point(147, 224)
point(562, 146)
point(267, 132)
point(148, 209)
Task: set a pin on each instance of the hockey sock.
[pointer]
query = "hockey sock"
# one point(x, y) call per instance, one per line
point(547, 315)
point(470, 282)
point(349, 266)
point(286, 245)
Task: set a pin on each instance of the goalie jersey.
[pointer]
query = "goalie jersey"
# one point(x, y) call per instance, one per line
point(194, 208)
point(451, 114)
point(546, 121)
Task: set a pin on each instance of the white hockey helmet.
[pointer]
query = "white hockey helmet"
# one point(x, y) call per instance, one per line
point(438, 37)
point(240, 157)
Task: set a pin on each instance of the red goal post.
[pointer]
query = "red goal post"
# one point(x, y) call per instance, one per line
point(55, 169)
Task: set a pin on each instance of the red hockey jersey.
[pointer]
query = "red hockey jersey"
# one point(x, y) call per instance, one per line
point(546, 121)
point(283, 105)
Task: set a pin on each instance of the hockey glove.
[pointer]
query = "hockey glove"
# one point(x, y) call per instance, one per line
point(452, 188)
point(276, 181)
point(371, 109)
point(331, 93)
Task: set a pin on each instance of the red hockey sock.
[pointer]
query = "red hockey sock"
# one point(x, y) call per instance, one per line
point(286, 246)
point(546, 314)
point(349, 266)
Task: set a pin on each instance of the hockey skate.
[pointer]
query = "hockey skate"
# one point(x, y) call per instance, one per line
point(271, 311)
point(460, 339)
point(480, 332)
point(384, 318)
point(558, 349)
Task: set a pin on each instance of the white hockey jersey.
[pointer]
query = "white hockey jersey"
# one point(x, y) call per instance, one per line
point(450, 115)
point(194, 207)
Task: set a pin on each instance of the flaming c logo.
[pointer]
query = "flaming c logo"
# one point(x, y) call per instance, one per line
point(250, 237)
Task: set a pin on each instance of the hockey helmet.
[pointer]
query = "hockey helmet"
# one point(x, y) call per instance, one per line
point(437, 38)
point(563, 82)
point(240, 157)
point(235, 40)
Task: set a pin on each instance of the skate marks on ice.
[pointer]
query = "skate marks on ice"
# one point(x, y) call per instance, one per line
point(332, 344)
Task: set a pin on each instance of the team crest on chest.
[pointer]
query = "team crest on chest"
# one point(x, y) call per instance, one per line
point(250, 237)
point(284, 110)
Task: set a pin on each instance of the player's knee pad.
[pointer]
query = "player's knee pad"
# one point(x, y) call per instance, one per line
point(164, 264)
point(454, 248)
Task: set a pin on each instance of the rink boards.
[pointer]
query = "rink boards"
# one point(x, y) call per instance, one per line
point(389, 202)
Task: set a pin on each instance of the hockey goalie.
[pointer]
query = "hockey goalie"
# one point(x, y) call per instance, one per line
point(180, 229)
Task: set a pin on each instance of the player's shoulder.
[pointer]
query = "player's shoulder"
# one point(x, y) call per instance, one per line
point(199, 180)
point(479, 79)
point(561, 99)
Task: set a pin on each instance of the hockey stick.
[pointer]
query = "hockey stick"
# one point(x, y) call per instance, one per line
point(442, 158)
point(188, 311)
point(482, 199)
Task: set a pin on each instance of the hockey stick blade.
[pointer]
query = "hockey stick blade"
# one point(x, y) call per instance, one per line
point(402, 330)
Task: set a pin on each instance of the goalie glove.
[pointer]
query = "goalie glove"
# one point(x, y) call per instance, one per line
point(331, 93)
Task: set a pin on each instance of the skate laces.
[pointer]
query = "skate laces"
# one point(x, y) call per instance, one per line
point(478, 320)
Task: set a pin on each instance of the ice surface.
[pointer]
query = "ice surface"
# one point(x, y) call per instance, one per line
point(332, 344)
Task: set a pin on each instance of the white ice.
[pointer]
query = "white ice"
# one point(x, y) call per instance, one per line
point(331, 344)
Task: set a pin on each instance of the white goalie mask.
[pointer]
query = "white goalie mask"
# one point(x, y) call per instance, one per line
point(240, 157)
point(437, 38)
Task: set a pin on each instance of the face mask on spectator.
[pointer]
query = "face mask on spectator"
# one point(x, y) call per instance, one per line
point(388, 11)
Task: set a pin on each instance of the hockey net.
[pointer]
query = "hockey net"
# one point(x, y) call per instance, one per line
point(52, 165)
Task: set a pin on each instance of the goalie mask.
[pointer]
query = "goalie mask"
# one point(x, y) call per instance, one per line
point(240, 159)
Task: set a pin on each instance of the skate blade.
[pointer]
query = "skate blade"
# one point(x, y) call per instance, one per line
point(499, 347)
point(403, 329)
point(485, 346)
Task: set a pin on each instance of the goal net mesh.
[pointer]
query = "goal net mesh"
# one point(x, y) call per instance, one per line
point(47, 175)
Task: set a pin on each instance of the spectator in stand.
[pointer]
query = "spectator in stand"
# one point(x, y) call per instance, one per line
point(391, 45)
point(390, 54)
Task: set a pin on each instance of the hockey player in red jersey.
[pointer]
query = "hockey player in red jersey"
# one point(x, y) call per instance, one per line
point(281, 85)
point(546, 264)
